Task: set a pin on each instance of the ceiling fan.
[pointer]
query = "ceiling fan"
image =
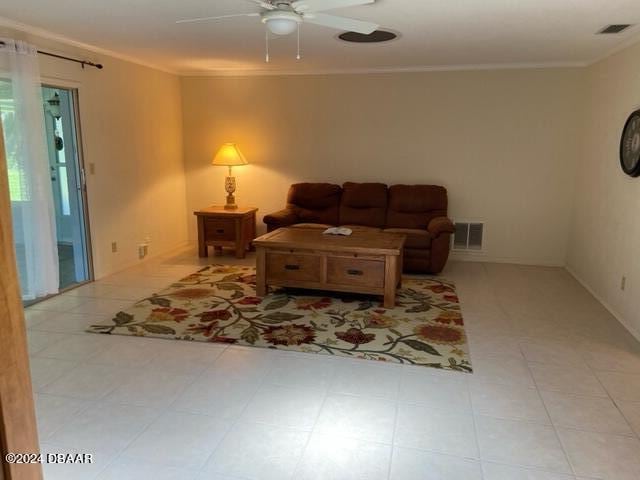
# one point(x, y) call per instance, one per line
point(283, 17)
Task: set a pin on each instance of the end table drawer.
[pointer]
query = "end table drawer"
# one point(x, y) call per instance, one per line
point(220, 229)
point(355, 271)
point(293, 267)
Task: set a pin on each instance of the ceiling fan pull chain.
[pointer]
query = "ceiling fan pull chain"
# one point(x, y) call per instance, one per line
point(266, 41)
point(298, 55)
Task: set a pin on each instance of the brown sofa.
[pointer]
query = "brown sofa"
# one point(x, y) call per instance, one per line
point(419, 211)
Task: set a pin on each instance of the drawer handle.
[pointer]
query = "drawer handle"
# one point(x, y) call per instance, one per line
point(353, 271)
point(220, 230)
point(292, 267)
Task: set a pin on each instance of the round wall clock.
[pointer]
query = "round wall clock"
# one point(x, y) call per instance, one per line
point(630, 145)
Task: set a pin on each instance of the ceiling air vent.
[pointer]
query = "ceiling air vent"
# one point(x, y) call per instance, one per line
point(377, 36)
point(468, 236)
point(616, 28)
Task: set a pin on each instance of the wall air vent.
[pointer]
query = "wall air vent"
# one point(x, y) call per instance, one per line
point(612, 29)
point(468, 236)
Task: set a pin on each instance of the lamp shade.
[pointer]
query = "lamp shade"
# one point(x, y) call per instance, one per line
point(229, 155)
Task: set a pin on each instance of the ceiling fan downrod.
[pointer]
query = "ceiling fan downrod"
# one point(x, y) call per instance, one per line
point(298, 53)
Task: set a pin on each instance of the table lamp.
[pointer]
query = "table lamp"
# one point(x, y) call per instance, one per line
point(229, 155)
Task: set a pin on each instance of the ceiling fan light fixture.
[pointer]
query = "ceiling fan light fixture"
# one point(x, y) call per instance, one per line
point(281, 22)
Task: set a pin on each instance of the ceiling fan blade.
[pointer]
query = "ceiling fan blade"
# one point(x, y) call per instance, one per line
point(220, 17)
point(263, 4)
point(341, 23)
point(322, 5)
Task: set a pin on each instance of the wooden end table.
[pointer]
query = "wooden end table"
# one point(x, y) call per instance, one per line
point(218, 227)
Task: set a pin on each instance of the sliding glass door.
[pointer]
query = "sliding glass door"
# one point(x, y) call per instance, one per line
point(67, 181)
point(65, 172)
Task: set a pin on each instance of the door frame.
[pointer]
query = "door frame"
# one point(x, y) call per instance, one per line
point(18, 431)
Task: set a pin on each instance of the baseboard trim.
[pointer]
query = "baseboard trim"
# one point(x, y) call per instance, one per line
point(515, 261)
point(181, 246)
point(633, 331)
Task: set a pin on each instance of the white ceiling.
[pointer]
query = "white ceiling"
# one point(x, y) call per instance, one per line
point(434, 33)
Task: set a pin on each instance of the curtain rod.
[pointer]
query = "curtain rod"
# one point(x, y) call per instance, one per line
point(62, 57)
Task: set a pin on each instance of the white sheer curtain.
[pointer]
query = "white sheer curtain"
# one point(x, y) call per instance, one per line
point(30, 180)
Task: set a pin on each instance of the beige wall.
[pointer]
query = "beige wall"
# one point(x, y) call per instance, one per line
point(502, 142)
point(132, 133)
point(605, 232)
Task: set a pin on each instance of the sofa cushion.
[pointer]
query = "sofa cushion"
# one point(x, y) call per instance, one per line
point(416, 238)
point(364, 195)
point(363, 204)
point(413, 206)
point(315, 202)
point(314, 195)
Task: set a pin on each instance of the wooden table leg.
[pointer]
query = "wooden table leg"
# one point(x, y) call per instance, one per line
point(261, 276)
point(252, 235)
point(241, 246)
point(202, 246)
point(390, 281)
point(400, 268)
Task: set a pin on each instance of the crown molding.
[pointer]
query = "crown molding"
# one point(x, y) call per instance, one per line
point(46, 34)
point(382, 70)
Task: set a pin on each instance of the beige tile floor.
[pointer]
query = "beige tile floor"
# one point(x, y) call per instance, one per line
point(555, 394)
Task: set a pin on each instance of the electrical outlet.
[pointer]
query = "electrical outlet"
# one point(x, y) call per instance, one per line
point(143, 250)
point(623, 283)
point(92, 168)
point(114, 247)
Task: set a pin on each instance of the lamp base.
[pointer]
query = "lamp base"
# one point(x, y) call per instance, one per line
point(230, 187)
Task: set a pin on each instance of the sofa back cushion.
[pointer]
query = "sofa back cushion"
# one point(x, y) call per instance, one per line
point(363, 204)
point(315, 202)
point(413, 206)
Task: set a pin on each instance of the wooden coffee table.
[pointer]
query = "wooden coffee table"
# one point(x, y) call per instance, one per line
point(364, 262)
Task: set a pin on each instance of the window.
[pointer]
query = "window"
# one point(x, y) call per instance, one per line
point(18, 187)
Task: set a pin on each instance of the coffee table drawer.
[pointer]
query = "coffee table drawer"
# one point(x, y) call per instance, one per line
point(355, 271)
point(291, 266)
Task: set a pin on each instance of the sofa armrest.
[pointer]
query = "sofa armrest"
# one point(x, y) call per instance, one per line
point(439, 225)
point(281, 218)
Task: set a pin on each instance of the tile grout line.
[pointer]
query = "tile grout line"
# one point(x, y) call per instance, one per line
point(315, 423)
point(162, 411)
point(475, 428)
point(395, 426)
point(557, 435)
point(92, 402)
point(613, 401)
point(237, 420)
point(555, 429)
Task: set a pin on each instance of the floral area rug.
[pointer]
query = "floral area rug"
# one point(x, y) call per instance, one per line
point(219, 304)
